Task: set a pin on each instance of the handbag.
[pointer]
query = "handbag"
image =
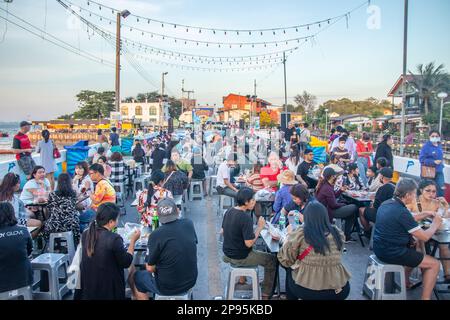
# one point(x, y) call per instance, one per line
point(56, 153)
point(428, 172)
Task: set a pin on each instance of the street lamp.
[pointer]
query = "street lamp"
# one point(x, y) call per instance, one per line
point(442, 96)
point(161, 117)
point(121, 14)
point(326, 121)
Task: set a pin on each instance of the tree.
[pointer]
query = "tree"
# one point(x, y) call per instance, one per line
point(94, 104)
point(264, 119)
point(307, 101)
point(429, 80)
point(153, 96)
point(175, 108)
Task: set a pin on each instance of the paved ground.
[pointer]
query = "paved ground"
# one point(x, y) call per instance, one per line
point(213, 272)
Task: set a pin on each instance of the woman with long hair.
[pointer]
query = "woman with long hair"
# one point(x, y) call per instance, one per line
point(294, 160)
point(45, 148)
point(104, 257)
point(175, 181)
point(37, 187)
point(312, 258)
point(384, 150)
point(62, 209)
point(82, 184)
point(9, 186)
point(138, 153)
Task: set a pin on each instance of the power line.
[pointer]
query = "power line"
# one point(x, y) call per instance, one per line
point(65, 45)
point(235, 31)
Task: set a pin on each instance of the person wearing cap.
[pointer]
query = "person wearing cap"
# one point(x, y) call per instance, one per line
point(385, 192)
point(22, 145)
point(326, 195)
point(283, 195)
point(304, 168)
point(171, 261)
point(364, 150)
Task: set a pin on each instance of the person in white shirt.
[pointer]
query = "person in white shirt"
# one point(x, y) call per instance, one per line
point(294, 160)
point(223, 184)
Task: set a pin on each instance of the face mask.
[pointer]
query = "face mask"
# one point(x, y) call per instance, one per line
point(435, 139)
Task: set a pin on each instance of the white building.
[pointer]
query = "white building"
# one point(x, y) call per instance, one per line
point(146, 112)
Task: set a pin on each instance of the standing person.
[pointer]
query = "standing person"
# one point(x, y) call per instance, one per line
point(305, 137)
point(171, 263)
point(62, 209)
point(431, 159)
point(288, 132)
point(114, 138)
point(304, 169)
point(364, 150)
point(45, 148)
point(15, 247)
point(395, 228)
point(158, 156)
point(326, 195)
point(312, 256)
point(239, 239)
point(384, 150)
point(104, 257)
point(22, 145)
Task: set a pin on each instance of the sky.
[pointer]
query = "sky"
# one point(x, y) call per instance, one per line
point(39, 81)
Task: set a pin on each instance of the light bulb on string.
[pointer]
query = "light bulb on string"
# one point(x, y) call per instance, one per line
point(187, 30)
point(88, 3)
point(307, 27)
point(174, 25)
point(296, 29)
point(214, 31)
point(284, 31)
point(328, 21)
point(225, 32)
point(319, 25)
point(199, 30)
point(237, 32)
point(148, 21)
point(261, 33)
point(99, 8)
point(273, 32)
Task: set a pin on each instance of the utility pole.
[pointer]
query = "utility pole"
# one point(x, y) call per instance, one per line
point(161, 115)
point(182, 94)
point(254, 98)
point(405, 55)
point(285, 90)
point(124, 14)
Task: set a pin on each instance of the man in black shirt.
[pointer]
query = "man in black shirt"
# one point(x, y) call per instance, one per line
point(304, 168)
point(171, 260)
point(289, 131)
point(239, 238)
point(385, 192)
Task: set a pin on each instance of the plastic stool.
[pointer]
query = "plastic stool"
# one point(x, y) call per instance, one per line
point(192, 193)
point(375, 280)
point(25, 292)
point(52, 263)
point(138, 181)
point(221, 206)
point(185, 296)
point(67, 237)
point(237, 272)
point(212, 185)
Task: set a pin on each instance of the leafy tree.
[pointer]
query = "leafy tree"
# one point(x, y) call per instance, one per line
point(264, 119)
point(307, 101)
point(153, 96)
point(429, 80)
point(93, 104)
point(175, 108)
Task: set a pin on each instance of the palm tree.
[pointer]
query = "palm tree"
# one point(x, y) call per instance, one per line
point(428, 80)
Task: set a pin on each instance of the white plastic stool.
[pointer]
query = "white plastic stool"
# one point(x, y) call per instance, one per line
point(67, 237)
point(212, 185)
point(221, 206)
point(185, 296)
point(52, 263)
point(192, 193)
point(237, 272)
point(25, 292)
point(375, 280)
point(138, 181)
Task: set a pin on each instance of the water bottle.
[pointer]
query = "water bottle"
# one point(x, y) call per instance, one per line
point(155, 222)
point(281, 222)
point(297, 218)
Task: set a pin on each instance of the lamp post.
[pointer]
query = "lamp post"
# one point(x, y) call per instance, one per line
point(161, 114)
point(121, 14)
point(326, 121)
point(442, 96)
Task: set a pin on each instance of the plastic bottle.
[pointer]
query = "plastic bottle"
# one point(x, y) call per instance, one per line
point(282, 222)
point(297, 217)
point(155, 222)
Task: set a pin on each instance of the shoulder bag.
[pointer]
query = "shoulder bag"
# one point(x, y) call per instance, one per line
point(428, 172)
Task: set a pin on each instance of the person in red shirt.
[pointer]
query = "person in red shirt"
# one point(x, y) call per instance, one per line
point(22, 145)
point(364, 149)
point(270, 172)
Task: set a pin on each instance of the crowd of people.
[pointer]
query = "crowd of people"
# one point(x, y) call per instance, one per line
point(246, 166)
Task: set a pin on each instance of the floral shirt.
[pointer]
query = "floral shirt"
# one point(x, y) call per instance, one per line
point(148, 210)
point(104, 192)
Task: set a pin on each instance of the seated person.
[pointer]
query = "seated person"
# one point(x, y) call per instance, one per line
point(299, 199)
point(326, 195)
point(175, 181)
point(395, 228)
point(312, 256)
point(15, 248)
point(199, 167)
point(254, 180)
point(283, 195)
point(107, 168)
point(304, 169)
point(171, 262)
point(371, 173)
point(223, 184)
point(181, 164)
point(239, 238)
point(341, 153)
point(385, 192)
point(269, 173)
point(351, 178)
point(100, 152)
point(38, 187)
point(376, 183)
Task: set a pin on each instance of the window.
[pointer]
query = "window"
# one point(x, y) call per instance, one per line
point(138, 111)
point(124, 111)
point(152, 111)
